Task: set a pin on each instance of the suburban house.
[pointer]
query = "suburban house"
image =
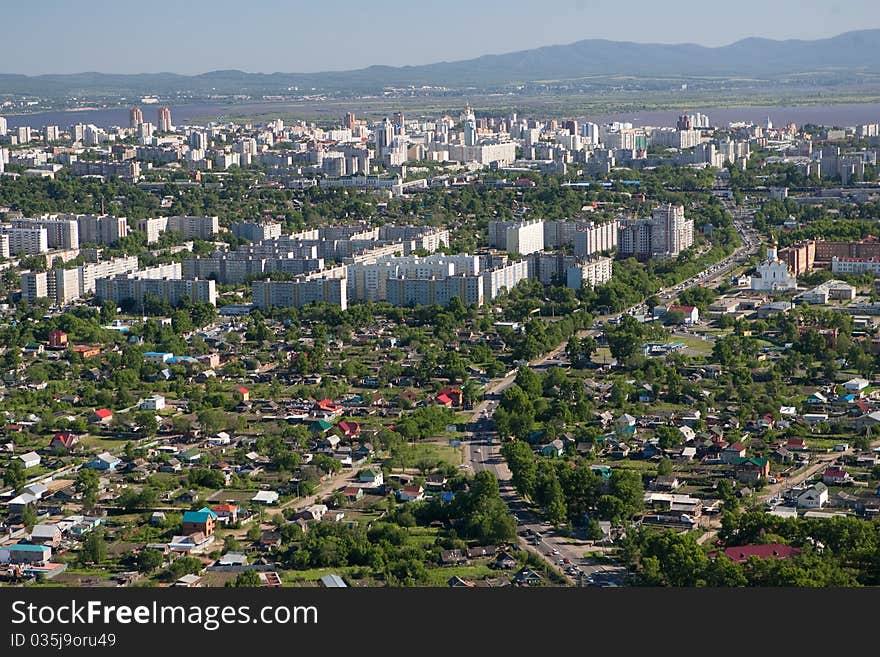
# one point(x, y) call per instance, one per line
point(552, 449)
point(58, 339)
point(266, 497)
point(856, 384)
point(751, 470)
point(454, 394)
point(225, 513)
point(242, 394)
point(798, 444)
point(46, 535)
point(836, 477)
point(101, 416)
point(326, 409)
point(30, 459)
point(348, 429)
point(103, 461)
point(25, 553)
point(63, 442)
point(625, 425)
point(204, 520)
point(691, 313)
point(372, 477)
point(733, 453)
point(154, 403)
point(814, 497)
point(353, 493)
point(411, 493)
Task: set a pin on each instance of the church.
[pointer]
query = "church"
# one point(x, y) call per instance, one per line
point(773, 274)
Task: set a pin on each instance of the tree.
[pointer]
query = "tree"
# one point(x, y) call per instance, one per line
point(146, 420)
point(247, 578)
point(88, 484)
point(149, 560)
point(554, 501)
point(184, 566)
point(668, 437)
point(28, 517)
point(15, 474)
point(94, 548)
point(664, 467)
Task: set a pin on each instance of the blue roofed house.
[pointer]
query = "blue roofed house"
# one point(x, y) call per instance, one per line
point(203, 520)
point(104, 461)
point(25, 553)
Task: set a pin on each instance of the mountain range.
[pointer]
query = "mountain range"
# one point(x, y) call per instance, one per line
point(849, 52)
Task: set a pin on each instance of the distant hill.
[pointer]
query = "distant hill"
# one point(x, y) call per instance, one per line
point(851, 51)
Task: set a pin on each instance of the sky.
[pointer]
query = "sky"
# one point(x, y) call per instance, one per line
point(195, 36)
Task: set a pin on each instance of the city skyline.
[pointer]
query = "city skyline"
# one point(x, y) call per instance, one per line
point(293, 37)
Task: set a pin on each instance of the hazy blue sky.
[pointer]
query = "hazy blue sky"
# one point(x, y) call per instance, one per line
point(193, 36)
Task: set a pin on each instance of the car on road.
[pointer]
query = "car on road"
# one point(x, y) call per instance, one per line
point(555, 551)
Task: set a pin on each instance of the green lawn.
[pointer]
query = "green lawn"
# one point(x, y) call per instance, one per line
point(440, 576)
point(432, 452)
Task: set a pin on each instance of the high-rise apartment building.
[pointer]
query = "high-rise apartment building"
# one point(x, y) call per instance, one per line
point(591, 237)
point(256, 232)
point(61, 233)
point(164, 119)
point(523, 237)
point(28, 241)
point(135, 117)
point(666, 233)
point(100, 229)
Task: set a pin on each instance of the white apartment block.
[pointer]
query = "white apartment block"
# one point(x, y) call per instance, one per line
point(34, 285)
point(99, 229)
point(202, 228)
point(173, 291)
point(296, 294)
point(367, 281)
point(60, 233)
point(505, 277)
point(410, 292)
point(65, 285)
point(152, 227)
point(591, 237)
point(4, 244)
point(256, 232)
point(591, 273)
point(28, 241)
point(523, 237)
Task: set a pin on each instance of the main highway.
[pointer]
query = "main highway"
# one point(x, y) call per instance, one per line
point(482, 449)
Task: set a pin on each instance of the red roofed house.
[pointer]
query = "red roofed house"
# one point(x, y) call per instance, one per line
point(101, 416)
point(353, 493)
point(57, 338)
point(797, 443)
point(742, 553)
point(411, 493)
point(348, 429)
point(63, 442)
point(242, 394)
point(326, 409)
point(226, 513)
point(455, 394)
point(837, 476)
point(691, 313)
point(86, 351)
point(444, 400)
